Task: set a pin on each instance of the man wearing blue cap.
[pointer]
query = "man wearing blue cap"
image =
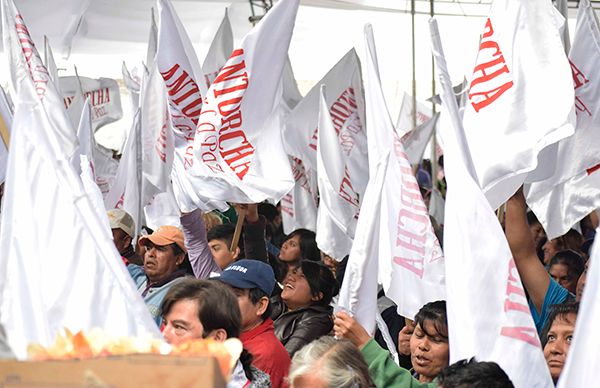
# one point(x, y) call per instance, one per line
point(253, 282)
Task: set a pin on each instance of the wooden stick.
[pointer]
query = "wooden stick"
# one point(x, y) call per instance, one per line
point(500, 213)
point(238, 229)
point(4, 133)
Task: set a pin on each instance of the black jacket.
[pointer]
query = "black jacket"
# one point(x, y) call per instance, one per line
point(299, 327)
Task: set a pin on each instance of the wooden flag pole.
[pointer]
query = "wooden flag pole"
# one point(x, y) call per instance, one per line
point(4, 133)
point(238, 228)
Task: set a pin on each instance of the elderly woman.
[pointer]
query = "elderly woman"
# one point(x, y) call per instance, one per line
point(330, 363)
point(302, 313)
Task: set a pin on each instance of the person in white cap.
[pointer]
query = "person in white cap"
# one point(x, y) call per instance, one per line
point(123, 230)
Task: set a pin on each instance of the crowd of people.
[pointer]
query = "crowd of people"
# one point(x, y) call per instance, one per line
point(277, 293)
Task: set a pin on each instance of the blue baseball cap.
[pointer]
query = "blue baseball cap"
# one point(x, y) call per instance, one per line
point(247, 274)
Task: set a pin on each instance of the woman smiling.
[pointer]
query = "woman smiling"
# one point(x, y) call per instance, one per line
point(302, 314)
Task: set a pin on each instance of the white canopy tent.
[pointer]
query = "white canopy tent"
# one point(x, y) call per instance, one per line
point(98, 35)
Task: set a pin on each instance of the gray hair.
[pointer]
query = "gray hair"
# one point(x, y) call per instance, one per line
point(337, 362)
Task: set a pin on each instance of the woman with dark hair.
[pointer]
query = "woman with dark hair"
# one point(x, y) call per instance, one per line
point(557, 336)
point(302, 312)
point(299, 245)
point(571, 240)
point(566, 267)
point(429, 351)
point(428, 346)
point(194, 309)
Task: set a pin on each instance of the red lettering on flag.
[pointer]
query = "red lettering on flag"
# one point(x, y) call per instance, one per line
point(491, 76)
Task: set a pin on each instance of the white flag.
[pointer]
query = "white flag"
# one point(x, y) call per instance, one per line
point(410, 259)
point(358, 294)
point(105, 168)
point(579, 154)
point(126, 190)
point(405, 122)
point(416, 141)
point(152, 41)
point(133, 85)
point(299, 206)
point(85, 138)
point(380, 130)
point(27, 67)
point(183, 78)
point(500, 327)
point(238, 147)
point(583, 359)
point(163, 210)
point(437, 206)
point(520, 97)
point(291, 95)
point(6, 118)
point(51, 65)
point(339, 202)
point(104, 95)
point(346, 106)
point(57, 257)
point(219, 51)
point(411, 262)
point(157, 137)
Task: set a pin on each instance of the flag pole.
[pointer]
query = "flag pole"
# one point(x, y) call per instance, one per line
point(4, 132)
point(434, 166)
point(414, 77)
point(238, 228)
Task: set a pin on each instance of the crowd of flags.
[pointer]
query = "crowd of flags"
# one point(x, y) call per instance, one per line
point(237, 130)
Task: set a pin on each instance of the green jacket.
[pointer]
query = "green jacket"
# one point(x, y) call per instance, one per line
point(384, 371)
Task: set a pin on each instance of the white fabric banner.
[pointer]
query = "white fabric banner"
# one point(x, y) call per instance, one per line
point(437, 206)
point(238, 146)
point(152, 42)
point(163, 210)
point(291, 95)
point(358, 294)
point(219, 51)
point(6, 115)
point(411, 262)
point(184, 81)
point(416, 141)
point(104, 95)
point(520, 97)
point(404, 123)
point(500, 328)
point(133, 84)
point(567, 203)
point(579, 154)
point(105, 168)
point(410, 259)
point(26, 66)
point(51, 65)
point(126, 190)
point(44, 283)
point(347, 108)
point(339, 202)
point(299, 206)
point(380, 130)
point(583, 360)
point(157, 137)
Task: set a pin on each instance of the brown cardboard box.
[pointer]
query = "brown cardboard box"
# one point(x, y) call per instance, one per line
point(139, 370)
